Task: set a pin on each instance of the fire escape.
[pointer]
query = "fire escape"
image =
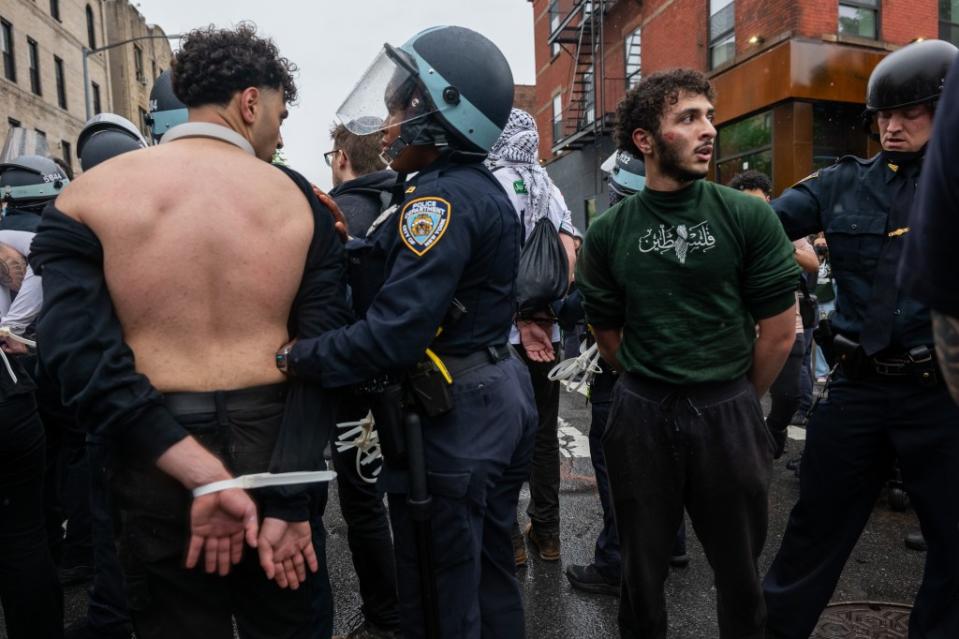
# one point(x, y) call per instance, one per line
point(580, 32)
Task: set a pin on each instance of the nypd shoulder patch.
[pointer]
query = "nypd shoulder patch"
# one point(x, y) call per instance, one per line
point(423, 222)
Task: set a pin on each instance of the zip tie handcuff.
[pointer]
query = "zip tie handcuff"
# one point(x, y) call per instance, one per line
point(263, 480)
point(6, 333)
point(585, 364)
point(362, 436)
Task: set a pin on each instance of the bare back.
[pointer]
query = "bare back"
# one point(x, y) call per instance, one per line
point(204, 249)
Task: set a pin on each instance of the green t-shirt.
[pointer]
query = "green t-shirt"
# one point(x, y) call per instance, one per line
point(686, 274)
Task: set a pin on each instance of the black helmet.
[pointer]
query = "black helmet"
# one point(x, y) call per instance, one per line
point(166, 110)
point(107, 135)
point(31, 181)
point(452, 86)
point(627, 175)
point(911, 75)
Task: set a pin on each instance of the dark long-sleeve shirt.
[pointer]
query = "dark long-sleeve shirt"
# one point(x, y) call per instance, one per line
point(81, 347)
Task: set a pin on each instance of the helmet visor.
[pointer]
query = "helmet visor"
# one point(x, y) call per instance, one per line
point(390, 93)
point(22, 142)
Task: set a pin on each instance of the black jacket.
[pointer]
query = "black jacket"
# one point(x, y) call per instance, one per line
point(363, 199)
point(81, 347)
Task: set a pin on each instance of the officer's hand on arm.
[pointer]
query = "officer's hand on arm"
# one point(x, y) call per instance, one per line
point(536, 340)
point(286, 551)
point(340, 224)
point(220, 521)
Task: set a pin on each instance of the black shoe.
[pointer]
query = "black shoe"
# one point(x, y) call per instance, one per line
point(915, 541)
point(588, 578)
point(679, 560)
point(75, 575)
point(83, 630)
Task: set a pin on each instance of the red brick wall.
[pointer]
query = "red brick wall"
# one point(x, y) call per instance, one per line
point(903, 22)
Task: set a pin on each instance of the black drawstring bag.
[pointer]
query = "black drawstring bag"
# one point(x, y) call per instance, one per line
point(543, 270)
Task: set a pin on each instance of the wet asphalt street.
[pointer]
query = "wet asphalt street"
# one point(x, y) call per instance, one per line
point(880, 568)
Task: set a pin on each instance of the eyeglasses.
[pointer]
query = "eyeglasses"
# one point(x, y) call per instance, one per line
point(328, 156)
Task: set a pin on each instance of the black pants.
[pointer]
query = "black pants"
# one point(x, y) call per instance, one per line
point(29, 589)
point(367, 532)
point(705, 448)
point(851, 441)
point(543, 507)
point(168, 601)
point(786, 395)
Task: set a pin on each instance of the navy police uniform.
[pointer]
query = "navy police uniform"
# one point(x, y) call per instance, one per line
point(454, 235)
point(884, 403)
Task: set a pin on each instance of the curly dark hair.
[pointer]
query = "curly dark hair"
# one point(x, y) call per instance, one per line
point(750, 180)
point(213, 64)
point(644, 106)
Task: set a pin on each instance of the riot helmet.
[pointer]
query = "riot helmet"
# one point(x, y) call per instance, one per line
point(627, 175)
point(447, 86)
point(166, 110)
point(107, 135)
point(914, 74)
point(30, 181)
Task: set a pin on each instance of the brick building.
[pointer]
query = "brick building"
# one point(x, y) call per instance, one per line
point(42, 45)
point(790, 77)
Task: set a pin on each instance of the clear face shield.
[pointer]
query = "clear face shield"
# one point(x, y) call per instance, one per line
point(388, 95)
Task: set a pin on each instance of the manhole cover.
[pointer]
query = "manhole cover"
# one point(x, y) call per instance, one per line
point(864, 620)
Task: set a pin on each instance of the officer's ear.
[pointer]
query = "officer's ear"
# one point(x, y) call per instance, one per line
point(643, 140)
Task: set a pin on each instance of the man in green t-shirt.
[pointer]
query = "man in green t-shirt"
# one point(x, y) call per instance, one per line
point(675, 280)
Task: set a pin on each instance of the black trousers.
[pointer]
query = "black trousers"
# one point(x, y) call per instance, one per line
point(29, 589)
point(705, 448)
point(851, 441)
point(786, 394)
point(543, 507)
point(165, 599)
point(367, 531)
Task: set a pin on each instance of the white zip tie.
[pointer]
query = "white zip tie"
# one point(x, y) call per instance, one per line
point(586, 365)
point(6, 333)
point(262, 480)
point(362, 436)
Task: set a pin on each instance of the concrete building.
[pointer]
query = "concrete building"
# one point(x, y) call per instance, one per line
point(42, 46)
point(134, 67)
point(790, 77)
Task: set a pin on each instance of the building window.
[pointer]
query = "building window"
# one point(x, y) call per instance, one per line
point(557, 117)
point(67, 153)
point(91, 29)
point(836, 131)
point(949, 21)
point(859, 18)
point(138, 64)
point(745, 145)
point(41, 142)
point(554, 20)
point(722, 32)
point(634, 59)
point(97, 106)
point(144, 122)
point(153, 67)
point(61, 82)
point(34, 52)
point(55, 9)
point(6, 45)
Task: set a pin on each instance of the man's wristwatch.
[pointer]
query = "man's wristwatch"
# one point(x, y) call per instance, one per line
point(283, 359)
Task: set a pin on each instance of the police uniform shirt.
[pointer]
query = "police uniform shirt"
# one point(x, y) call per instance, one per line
point(18, 311)
point(855, 202)
point(454, 235)
point(930, 264)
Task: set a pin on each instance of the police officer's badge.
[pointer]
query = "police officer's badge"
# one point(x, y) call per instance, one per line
point(423, 222)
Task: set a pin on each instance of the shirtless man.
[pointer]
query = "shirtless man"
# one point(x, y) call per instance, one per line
point(203, 251)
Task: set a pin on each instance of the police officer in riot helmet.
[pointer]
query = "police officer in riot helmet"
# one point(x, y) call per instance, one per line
point(27, 183)
point(166, 110)
point(105, 136)
point(627, 175)
point(887, 400)
point(446, 257)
